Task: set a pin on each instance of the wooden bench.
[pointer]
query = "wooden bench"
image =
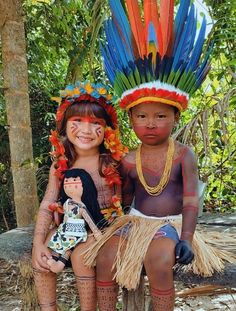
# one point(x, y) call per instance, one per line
point(15, 245)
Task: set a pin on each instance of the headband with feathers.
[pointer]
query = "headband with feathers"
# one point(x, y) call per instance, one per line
point(154, 58)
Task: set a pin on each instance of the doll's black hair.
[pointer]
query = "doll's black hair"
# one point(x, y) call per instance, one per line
point(89, 196)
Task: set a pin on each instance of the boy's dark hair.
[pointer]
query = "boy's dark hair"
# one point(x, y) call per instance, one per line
point(89, 196)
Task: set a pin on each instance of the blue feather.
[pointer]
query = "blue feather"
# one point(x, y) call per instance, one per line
point(203, 69)
point(121, 50)
point(185, 41)
point(108, 64)
point(202, 76)
point(180, 20)
point(110, 49)
point(113, 46)
point(203, 64)
point(122, 24)
point(198, 47)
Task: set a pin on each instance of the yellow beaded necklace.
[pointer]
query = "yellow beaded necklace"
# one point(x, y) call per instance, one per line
point(156, 190)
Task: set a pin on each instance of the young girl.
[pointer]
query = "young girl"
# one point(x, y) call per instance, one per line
point(86, 138)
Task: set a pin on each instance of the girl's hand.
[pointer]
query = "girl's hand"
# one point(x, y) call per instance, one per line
point(73, 188)
point(40, 255)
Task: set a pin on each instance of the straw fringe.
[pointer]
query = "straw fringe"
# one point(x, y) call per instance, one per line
point(211, 249)
point(129, 259)
point(91, 253)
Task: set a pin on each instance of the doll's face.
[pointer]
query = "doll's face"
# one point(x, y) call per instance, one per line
point(153, 122)
point(85, 133)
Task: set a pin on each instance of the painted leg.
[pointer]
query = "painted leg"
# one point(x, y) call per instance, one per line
point(107, 289)
point(85, 278)
point(163, 300)
point(107, 293)
point(159, 263)
point(45, 284)
point(87, 292)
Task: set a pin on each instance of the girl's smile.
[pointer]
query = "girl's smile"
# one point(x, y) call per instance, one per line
point(85, 132)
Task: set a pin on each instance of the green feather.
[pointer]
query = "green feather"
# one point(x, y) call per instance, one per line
point(132, 79)
point(137, 76)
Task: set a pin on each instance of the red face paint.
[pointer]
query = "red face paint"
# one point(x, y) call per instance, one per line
point(74, 128)
point(99, 131)
point(85, 132)
point(152, 122)
point(152, 136)
point(89, 119)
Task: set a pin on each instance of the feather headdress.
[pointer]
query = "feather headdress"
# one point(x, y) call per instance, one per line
point(154, 57)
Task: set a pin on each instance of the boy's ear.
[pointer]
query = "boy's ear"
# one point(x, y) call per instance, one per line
point(177, 116)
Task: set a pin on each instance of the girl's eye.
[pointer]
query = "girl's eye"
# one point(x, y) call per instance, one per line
point(161, 116)
point(140, 116)
point(96, 122)
point(78, 120)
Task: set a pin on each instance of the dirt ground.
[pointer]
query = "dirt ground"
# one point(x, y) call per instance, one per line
point(11, 285)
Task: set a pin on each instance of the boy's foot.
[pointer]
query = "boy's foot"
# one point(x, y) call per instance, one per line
point(56, 266)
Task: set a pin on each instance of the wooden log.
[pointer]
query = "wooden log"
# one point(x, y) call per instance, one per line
point(134, 300)
point(16, 245)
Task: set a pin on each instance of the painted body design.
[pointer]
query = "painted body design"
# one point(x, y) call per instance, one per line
point(180, 195)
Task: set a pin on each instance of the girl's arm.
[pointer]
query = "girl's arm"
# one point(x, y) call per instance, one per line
point(43, 222)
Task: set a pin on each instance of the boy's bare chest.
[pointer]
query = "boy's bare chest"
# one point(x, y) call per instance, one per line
point(153, 162)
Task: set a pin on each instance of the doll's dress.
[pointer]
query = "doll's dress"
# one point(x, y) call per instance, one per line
point(71, 232)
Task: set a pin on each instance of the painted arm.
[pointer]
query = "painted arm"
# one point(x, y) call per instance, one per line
point(44, 220)
point(44, 217)
point(183, 249)
point(127, 185)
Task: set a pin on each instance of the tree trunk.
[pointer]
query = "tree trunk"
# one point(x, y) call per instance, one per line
point(15, 75)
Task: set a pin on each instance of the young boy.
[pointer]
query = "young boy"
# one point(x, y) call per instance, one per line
point(161, 176)
point(154, 65)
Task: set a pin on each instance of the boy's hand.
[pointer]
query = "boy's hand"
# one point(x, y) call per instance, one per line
point(73, 188)
point(183, 252)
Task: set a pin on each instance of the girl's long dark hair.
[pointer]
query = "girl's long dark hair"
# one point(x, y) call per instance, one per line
point(89, 196)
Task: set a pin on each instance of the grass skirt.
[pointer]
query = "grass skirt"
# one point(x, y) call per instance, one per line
point(207, 248)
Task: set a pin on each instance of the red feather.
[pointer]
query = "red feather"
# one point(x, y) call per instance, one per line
point(166, 20)
point(150, 9)
point(136, 26)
